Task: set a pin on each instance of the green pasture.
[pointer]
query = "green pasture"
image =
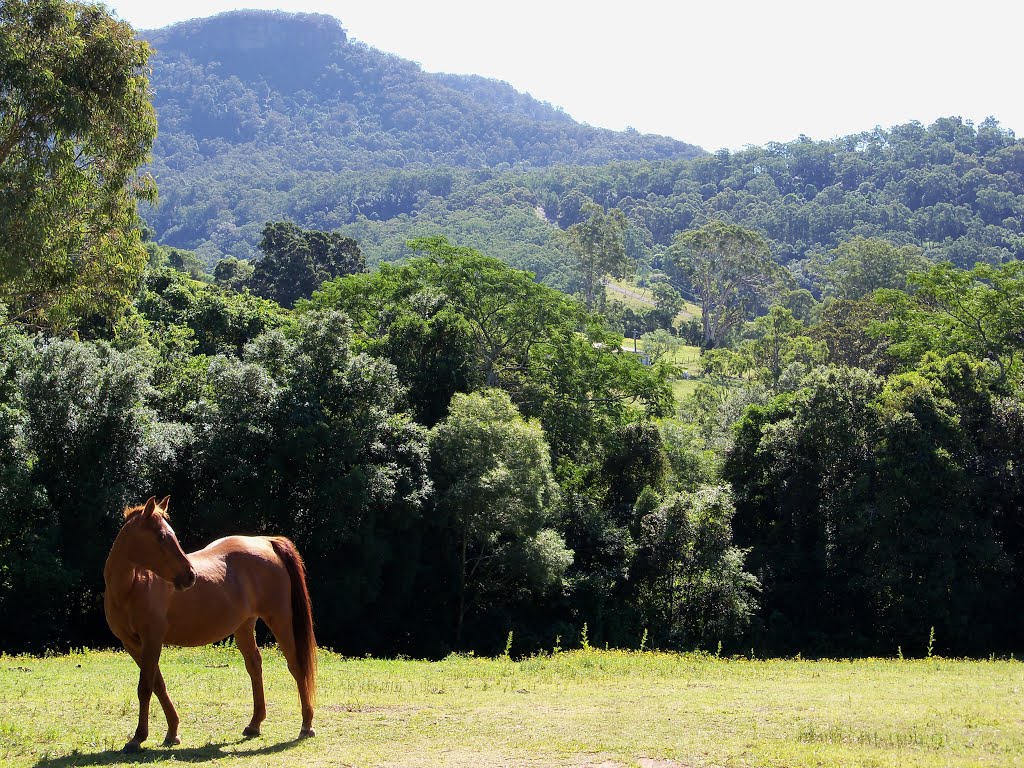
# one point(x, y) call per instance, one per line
point(640, 299)
point(686, 359)
point(602, 709)
point(629, 294)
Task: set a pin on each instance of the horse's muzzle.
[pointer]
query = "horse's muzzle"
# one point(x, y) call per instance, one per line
point(185, 581)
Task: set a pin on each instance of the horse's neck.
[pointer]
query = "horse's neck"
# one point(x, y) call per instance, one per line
point(119, 572)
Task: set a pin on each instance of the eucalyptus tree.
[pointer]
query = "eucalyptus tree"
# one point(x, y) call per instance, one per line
point(597, 249)
point(863, 264)
point(75, 124)
point(730, 270)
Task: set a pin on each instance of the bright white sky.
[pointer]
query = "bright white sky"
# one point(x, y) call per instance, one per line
point(716, 73)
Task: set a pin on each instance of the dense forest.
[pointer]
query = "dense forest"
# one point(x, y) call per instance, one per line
point(460, 449)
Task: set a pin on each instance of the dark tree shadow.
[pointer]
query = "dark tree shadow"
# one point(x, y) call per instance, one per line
point(203, 754)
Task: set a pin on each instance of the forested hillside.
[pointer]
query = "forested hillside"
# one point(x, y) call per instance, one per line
point(269, 115)
point(259, 112)
point(953, 189)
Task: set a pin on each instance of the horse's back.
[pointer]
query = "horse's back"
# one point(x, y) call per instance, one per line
point(258, 547)
point(238, 578)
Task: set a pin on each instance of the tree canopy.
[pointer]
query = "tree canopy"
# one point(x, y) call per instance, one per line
point(463, 452)
point(597, 250)
point(730, 270)
point(75, 124)
point(295, 261)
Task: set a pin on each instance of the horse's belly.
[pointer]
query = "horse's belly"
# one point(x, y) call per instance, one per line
point(199, 617)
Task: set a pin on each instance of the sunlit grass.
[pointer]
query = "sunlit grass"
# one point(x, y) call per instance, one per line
point(682, 387)
point(596, 708)
point(629, 294)
point(641, 299)
point(686, 360)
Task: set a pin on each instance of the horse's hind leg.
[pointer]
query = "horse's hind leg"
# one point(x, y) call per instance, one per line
point(245, 639)
point(281, 626)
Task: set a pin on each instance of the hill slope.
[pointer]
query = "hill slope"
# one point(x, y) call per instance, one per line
point(269, 116)
point(252, 104)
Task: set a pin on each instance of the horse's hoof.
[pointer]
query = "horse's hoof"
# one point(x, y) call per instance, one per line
point(172, 741)
point(250, 732)
point(132, 746)
point(305, 733)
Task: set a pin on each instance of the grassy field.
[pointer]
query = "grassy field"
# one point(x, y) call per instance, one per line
point(598, 709)
point(686, 358)
point(642, 299)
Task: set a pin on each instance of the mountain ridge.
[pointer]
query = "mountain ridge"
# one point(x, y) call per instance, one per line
point(369, 145)
point(351, 81)
point(277, 100)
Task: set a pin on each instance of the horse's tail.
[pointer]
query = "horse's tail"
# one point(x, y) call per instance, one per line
point(302, 611)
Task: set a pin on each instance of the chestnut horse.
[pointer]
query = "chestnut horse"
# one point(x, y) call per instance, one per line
point(156, 594)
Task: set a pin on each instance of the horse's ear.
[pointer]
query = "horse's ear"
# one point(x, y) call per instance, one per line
point(150, 506)
point(163, 504)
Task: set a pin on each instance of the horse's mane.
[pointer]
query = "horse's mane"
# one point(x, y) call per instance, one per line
point(130, 512)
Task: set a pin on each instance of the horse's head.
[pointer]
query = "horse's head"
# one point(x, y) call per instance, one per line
point(152, 544)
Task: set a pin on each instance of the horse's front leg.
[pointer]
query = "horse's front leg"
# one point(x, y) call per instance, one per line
point(170, 712)
point(148, 659)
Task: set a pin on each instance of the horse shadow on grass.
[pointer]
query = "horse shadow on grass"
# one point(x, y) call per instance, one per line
point(203, 754)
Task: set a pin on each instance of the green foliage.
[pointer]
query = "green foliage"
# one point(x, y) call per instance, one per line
point(846, 328)
point(301, 437)
point(317, 125)
point(31, 572)
point(506, 311)
point(693, 589)
point(459, 450)
point(980, 311)
point(401, 154)
point(869, 507)
point(661, 344)
point(296, 262)
point(634, 459)
point(75, 124)
point(233, 273)
point(454, 320)
point(778, 344)
point(597, 249)
point(217, 320)
point(76, 442)
point(399, 314)
point(495, 487)
point(862, 265)
point(866, 185)
point(730, 270)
